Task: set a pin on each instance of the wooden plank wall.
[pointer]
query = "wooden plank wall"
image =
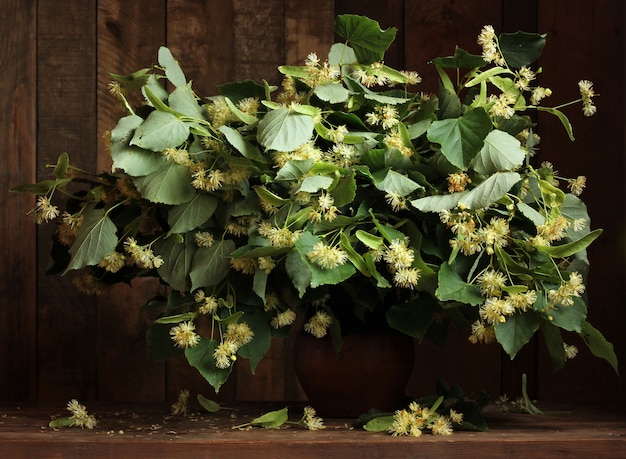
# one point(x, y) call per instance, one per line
point(56, 344)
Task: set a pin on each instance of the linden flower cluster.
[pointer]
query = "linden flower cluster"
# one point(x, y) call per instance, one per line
point(236, 335)
point(80, 417)
point(503, 105)
point(414, 420)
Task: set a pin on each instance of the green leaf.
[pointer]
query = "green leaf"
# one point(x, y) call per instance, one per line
point(192, 214)
point(461, 60)
point(598, 345)
point(571, 248)
point(177, 318)
point(314, 183)
point(201, 357)
point(380, 423)
point(66, 421)
point(365, 37)
point(516, 331)
point(394, 182)
point(63, 163)
point(299, 272)
point(294, 169)
point(177, 261)
point(453, 288)
point(170, 184)
point(570, 318)
point(207, 404)
point(554, 343)
point(345, 191)
point(271, 419)
point(521, 48)
point(268, 196)
point(461, 138)
point(500, 152)
point(159, 131)
point(487, 75)
point(211, 264)
point(562, 118)
point(334, 93)
point(259, 324)
point(183, 100)
point(490, 191)
point(341, 54)
point(243, 146)
point(439, 202)
point(370, 240)
point(531, 214)
point(284, 130)
point(134, 161)
point(173, 72)
point(95, 240)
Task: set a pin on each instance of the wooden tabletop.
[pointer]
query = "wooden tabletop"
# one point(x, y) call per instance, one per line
point(150, 431)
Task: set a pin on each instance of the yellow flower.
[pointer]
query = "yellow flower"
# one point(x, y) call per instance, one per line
point(318, 324)
point(184, 335)
point(327, 257)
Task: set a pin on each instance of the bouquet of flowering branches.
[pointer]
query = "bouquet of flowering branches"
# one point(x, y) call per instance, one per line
point(257, 207)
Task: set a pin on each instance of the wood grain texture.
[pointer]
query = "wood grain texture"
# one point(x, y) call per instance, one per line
point(140, 431)
point(129, 36)
point(433, 29)
point(308, 28)
point(66, 108)
point(259, 34)
point(18, 137)
point(586, 41)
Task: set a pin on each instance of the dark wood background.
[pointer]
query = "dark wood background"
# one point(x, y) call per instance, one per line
point(56, 344)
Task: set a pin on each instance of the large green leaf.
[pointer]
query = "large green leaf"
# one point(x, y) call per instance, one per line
point(453, 288)
point(170, 184)
point(258, 322)
point(314, 183)
point(365, 36)
point(570, 318)
point(192, 214)
point(173, 72)
point(177, 257)
point(598, 345)
point(243, 146)
point(95, 240)
point(284, 130)
point(332, 92)
point(345, 191)
point(211, 264)
point(201, 357)
point(438, 202)
point(183, 100)
point(554, 343)
point(159, 131)
point(521, 48)
point(490, 191)
point(461, 60)
point(298, 271)
point(516, 331)
point(461, 138)
point(501, 152)
point(134, 161)
point(394, 182)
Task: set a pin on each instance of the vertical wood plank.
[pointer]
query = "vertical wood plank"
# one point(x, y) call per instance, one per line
point(586, 41)
point(129, 36)
point(258, 31)
point(66, 88)
point(435, 27)
point(18, 336)
point(200, 36)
